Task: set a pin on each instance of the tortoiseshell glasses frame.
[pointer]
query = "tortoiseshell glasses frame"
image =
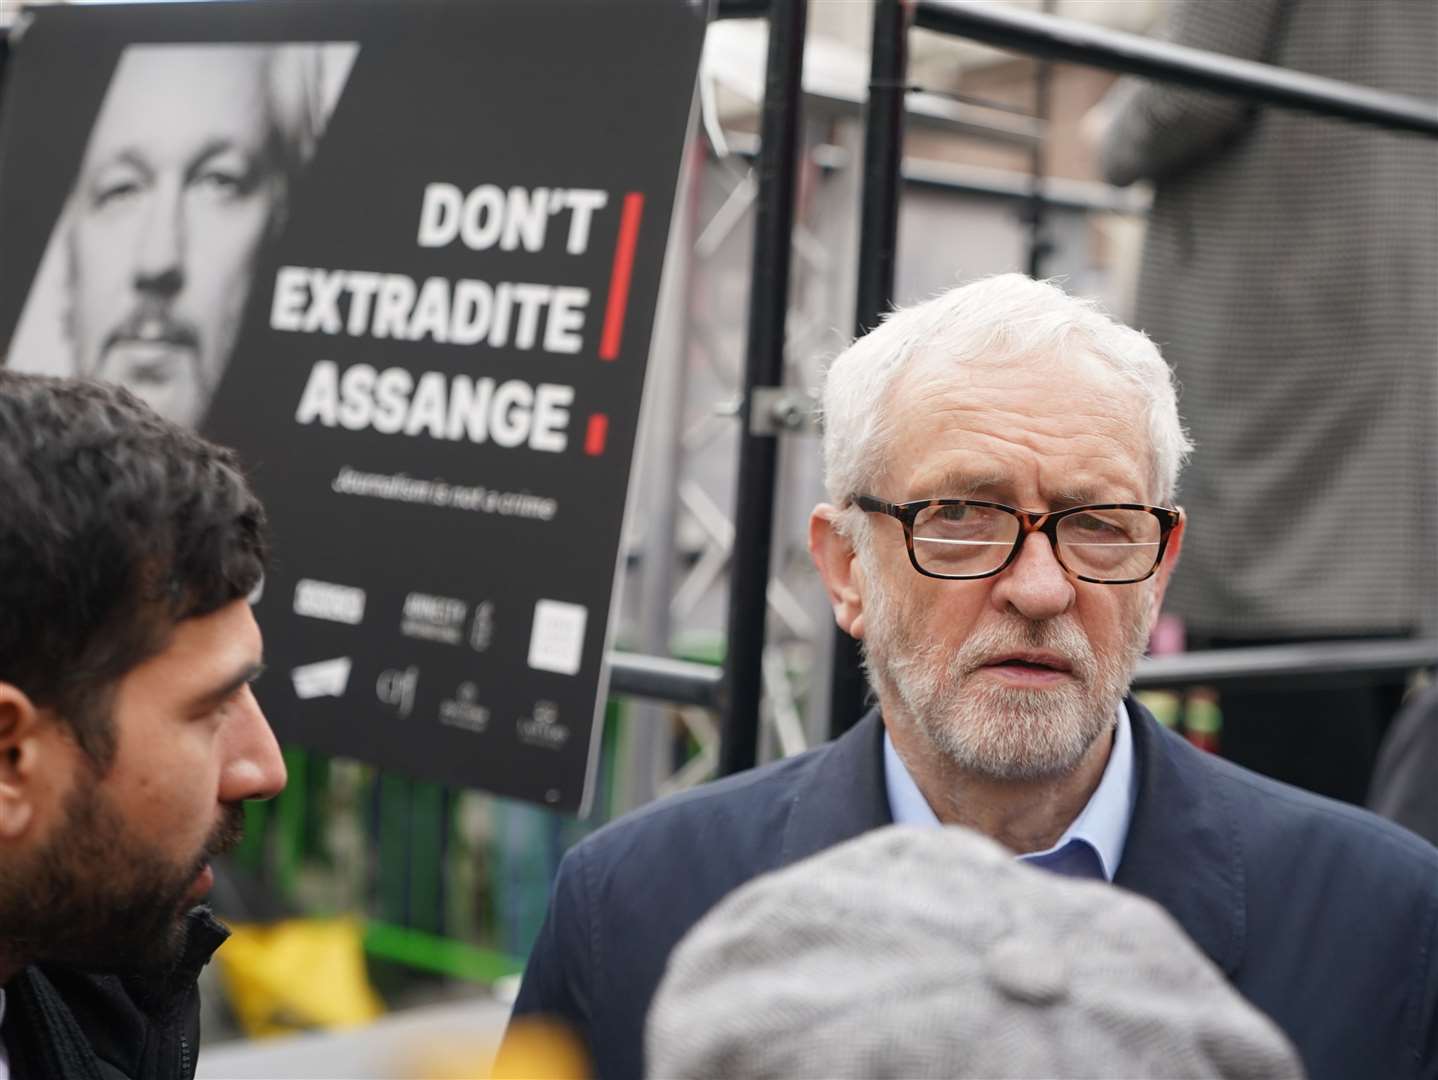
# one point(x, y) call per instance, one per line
point(1120, 531)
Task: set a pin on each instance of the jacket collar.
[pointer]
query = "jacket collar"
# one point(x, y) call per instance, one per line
point(64, 1022)
point(1184, 849)
point(159, 993)
point(842, 796)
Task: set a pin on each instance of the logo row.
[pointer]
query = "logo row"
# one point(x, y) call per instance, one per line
point(556, 634)
point(425, 616)
point(397, 688)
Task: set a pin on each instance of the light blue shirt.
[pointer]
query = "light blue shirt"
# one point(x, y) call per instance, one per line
point(1090, 847)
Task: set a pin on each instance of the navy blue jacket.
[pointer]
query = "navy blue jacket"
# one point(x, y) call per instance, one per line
point(1322, 915)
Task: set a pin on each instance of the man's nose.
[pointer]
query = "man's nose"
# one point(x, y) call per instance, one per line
point(253, 766)
point(160, 258)
point(1034, 585)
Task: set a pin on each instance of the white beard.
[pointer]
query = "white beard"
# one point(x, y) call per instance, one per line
point(1001, 732)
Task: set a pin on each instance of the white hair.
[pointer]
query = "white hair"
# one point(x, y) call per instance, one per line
point(303, 85)
point(1007, 317)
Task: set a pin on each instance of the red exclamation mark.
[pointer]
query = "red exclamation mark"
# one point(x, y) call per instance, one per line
point(619, 276)
point(595, 434)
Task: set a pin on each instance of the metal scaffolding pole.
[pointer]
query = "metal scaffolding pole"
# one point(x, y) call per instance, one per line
point(1322, 663)
point(648, 739)
point(878, 253)
point(1039, 243)
point(1114, 50)
point(764, 367)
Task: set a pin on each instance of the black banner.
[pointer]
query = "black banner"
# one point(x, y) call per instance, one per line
point(404, 256)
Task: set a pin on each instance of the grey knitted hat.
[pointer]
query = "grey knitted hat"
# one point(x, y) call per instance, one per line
point(934, 953)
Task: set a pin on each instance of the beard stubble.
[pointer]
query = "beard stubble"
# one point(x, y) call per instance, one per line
point(1002, 732)
point(94, 897)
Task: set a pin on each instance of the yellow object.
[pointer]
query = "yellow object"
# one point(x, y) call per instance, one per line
point(297, 975)
point(537, 1049)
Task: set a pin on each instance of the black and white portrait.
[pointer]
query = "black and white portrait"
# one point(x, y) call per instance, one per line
point(184, 183)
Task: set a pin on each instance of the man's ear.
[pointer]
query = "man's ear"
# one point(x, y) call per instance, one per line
point(839, 569)
point(23, 737)
point(1166, 568)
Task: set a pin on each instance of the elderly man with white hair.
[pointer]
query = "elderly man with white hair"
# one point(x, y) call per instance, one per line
point(1000, 462)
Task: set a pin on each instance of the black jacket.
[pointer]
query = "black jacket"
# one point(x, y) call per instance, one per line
point(1322, 915)
point(62, 1024)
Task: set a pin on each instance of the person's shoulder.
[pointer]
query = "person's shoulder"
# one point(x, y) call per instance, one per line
point(1276, 818)
point(747, 808)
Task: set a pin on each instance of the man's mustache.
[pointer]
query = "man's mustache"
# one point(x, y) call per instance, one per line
point(1061, 638)
point(228, 831)
point(153, 324)
point(223, 838)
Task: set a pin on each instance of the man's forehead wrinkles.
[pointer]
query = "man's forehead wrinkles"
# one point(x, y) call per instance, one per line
point(958, 482)
point(1066, 468)
point(1083, 417)
point(1035, 439)
point(961, 483)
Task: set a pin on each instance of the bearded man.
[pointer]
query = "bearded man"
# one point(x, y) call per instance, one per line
point(1000, 462)
point(129, 736)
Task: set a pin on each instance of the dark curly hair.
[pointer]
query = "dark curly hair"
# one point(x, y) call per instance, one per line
point(115, 524)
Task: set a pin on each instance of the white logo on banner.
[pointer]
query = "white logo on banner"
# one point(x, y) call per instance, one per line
point(463, 711)
point(324, 678)
point(556, 642)
point(481, 631)
point(397, 688)
point(326, 600)
point(434, 618)
point(543, 729)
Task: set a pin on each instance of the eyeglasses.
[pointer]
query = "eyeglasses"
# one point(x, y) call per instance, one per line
point(1106, 543)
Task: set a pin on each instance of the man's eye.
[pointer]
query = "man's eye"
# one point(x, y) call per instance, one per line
point(219, 184)
point(115, 189)
point(227, 175)
point(1097, 527)
point(962, 522)
point(221, 712)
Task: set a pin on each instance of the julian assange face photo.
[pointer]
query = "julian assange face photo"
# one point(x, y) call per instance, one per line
point(181, 184)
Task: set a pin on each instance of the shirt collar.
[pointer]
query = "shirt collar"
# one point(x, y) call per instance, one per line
point(1101, 826)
